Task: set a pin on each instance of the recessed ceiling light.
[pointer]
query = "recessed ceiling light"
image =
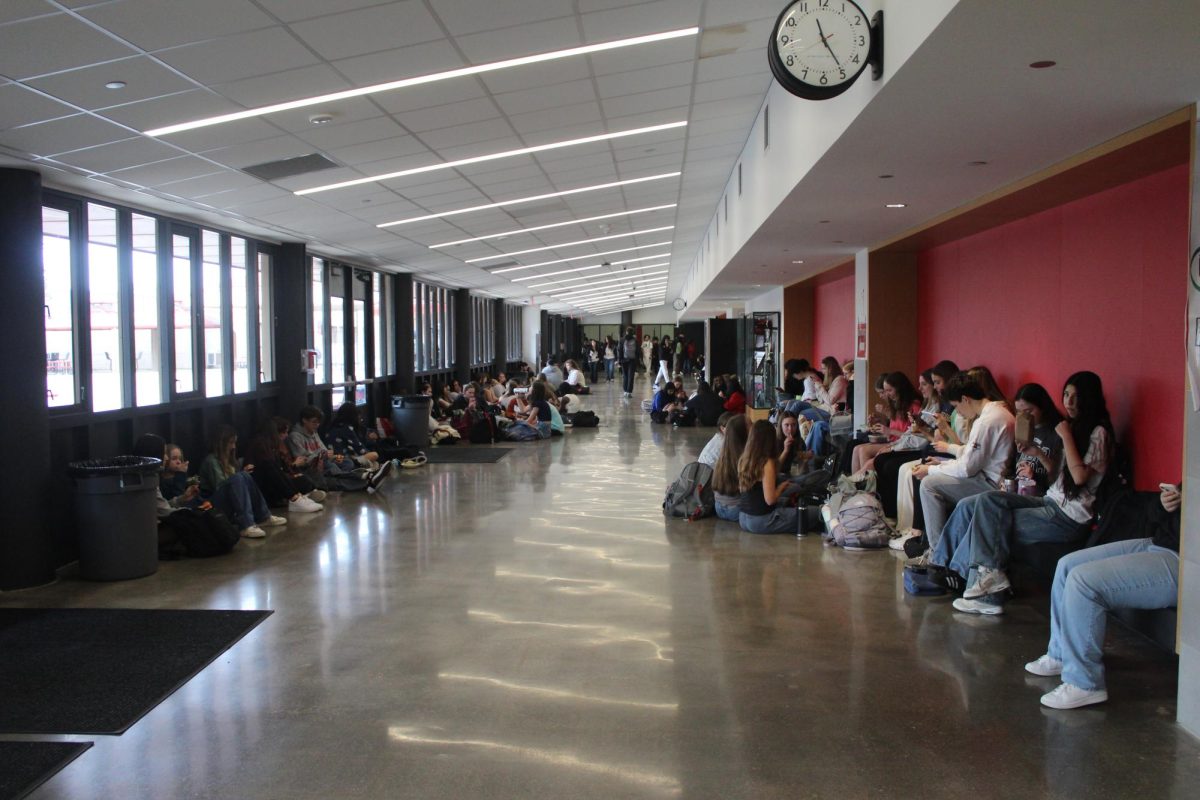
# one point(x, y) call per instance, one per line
point(115, 85)
point(797, 262)
point(531, 199)
point(462, 162)
point(897, 205)
point(1043, 64)
point(499, 236)
point(321, 119)
point(423, 79)
point(569, 244)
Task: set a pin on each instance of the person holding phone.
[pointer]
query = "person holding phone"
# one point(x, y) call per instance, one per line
point(233, 491)
point(1135, 573)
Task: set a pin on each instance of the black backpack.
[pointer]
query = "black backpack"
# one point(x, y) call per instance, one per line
point(195, 534)
point(482, 429)
point(584, 419)
point(631, 348)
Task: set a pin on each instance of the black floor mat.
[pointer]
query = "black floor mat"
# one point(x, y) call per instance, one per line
point(91, 670)
point(24, 766)
point(467, 454)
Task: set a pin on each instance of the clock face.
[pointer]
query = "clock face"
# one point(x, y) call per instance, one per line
point(819, 47)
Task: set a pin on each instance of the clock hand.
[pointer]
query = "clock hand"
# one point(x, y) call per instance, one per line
point(824, 40)
point(796, 42)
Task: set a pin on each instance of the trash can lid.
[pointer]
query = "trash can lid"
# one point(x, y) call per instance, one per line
point(99, 467)
point(412, 399)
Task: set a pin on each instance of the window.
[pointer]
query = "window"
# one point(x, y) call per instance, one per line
point(483, 332)
point(184, 305)
point(61, 386)
point(239, 290)
point(147, 334)
point(361, 287)
point(514, 331)
point(384, 325)
point(433, 328)
point(104, 308)
point(213, 290)
point(266, 321)
point(337, 324)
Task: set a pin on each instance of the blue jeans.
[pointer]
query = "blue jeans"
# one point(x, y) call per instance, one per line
point(609, 365)
point(939, 496)
point(1087, 584)
point(818, 438)
point(240, 499)
point(727, 513)
point(802, 408)
point(997, 519)
point(781, 520)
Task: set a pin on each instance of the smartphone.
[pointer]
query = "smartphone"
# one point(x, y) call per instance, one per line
point(194, 480)
point(1168, 487)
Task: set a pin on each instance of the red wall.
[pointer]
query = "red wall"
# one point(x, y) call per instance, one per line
point(1097, 284)
point(833, 320)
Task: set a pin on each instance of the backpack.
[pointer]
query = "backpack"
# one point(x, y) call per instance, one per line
point(585, 419)
point(482, 428)
point(196, 534)
point(630, 349)
point(691, 495)
point(854, 516)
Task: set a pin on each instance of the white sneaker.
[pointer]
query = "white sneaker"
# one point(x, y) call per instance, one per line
point(977, 607)
point(989, 581)
point(272, 522)
point(1045, 666)
point(303, 505)
point(253, 532)
point(1068, 696)
point(317, 496)
point(898, 542)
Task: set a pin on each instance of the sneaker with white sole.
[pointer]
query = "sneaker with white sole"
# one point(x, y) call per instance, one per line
point(898, 542)
point(253, 532)
point(988, 581)
point(1045, 667)
point(317, 496)
point(272, 522)
point(376, 478)
point(1068, 696)
point(303, 505)
point(976, 606)
point(919, 561)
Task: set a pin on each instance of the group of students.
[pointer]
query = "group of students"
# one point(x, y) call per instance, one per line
point(672, 404)
point(519, 410)
point(985, 475)
point(283, 465)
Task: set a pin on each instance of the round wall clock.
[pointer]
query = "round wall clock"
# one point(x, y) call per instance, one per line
point(818, 48)
point(680, 304)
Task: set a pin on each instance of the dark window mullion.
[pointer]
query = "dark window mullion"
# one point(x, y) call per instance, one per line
point(128, 354)
point(226, 260)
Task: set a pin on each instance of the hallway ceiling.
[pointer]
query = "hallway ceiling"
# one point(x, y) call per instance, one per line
point(184, 59)
point(968, 94)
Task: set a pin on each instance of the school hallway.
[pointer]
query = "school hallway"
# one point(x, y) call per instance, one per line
point(536, 628)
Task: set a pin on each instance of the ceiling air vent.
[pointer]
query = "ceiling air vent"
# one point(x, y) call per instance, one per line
point(289, 167)
point(502, 265)
point(533, 211)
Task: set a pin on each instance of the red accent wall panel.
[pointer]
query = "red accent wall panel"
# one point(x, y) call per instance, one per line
point(833, 320)
point(1097, 284)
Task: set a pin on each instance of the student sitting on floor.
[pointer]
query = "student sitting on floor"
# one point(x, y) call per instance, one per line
point(735, 396)
point(326, 469)
point(1135, 573)
point(705, 406)
point(713, 449)
point(232, 491)
point(726, 491)
point(534, 422)
point(277, 472)
point(791, 442)
point(345, 440)
point(575, 383)
point(760, 487)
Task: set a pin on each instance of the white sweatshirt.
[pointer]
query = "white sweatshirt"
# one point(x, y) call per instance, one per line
point(987, 449)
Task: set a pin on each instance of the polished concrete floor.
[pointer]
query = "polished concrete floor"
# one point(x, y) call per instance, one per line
point(535, 628)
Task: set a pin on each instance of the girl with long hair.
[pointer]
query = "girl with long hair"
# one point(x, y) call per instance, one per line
point(900, 406)
point(978, 539)
point(761, 490)
point(231, 490)
point(277, 473)
point(1037, 464)
point(726, 490)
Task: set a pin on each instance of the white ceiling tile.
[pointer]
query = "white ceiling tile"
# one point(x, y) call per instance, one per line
point(211, 184)
point(49, 44)
point(344, 112)
point(626, 105)
point(170, 109)
point(404, 62)
point(369, 130)
point(658, 54)
point(747, 86)
point(119, 155)
point(63, 135)
point(467, 111)
point(155, 24)
point(645, 80)
point(251, 153)
point(585, 118)
point(254, 194)
point(479, 149)
point(144, 79)
point(367, 152)
point(751, 61)
point(540, 37)
point(561, 94)
point(537, 75)
point(368, 30)
point(21, 106)
point(489, 136)
point(282, 86)
point(230, 133)
point(462, 18)
point(13, 10)
point(293, 10)
point(240, 56)
point(163, 172)
point(432, 96)
point(662, 15)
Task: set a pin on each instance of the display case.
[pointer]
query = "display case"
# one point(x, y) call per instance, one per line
point(758, 354)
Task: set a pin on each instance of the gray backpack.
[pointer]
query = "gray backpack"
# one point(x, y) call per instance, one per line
point(854, 516)
point(691, 495)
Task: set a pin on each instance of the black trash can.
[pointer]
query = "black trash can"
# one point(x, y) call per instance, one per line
point(410, 418)
point(115, 511)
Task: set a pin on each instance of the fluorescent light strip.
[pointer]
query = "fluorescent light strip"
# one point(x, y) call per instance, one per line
point(423, 79)
point(583, 269)
point(621, 307)
point(584, 279)
point(533, 198)
point(611, 278)
point(626, 301)
point(588, 298)
point(462, 162)
point(640, 281)
point(569, 244)
point(554, 225)
point(579, 258)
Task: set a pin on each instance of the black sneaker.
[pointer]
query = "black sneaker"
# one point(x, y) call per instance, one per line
point(378, 476)
point(947, 578)
point(915, 546)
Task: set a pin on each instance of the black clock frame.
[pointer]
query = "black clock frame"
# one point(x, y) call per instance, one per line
point(809, 91)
